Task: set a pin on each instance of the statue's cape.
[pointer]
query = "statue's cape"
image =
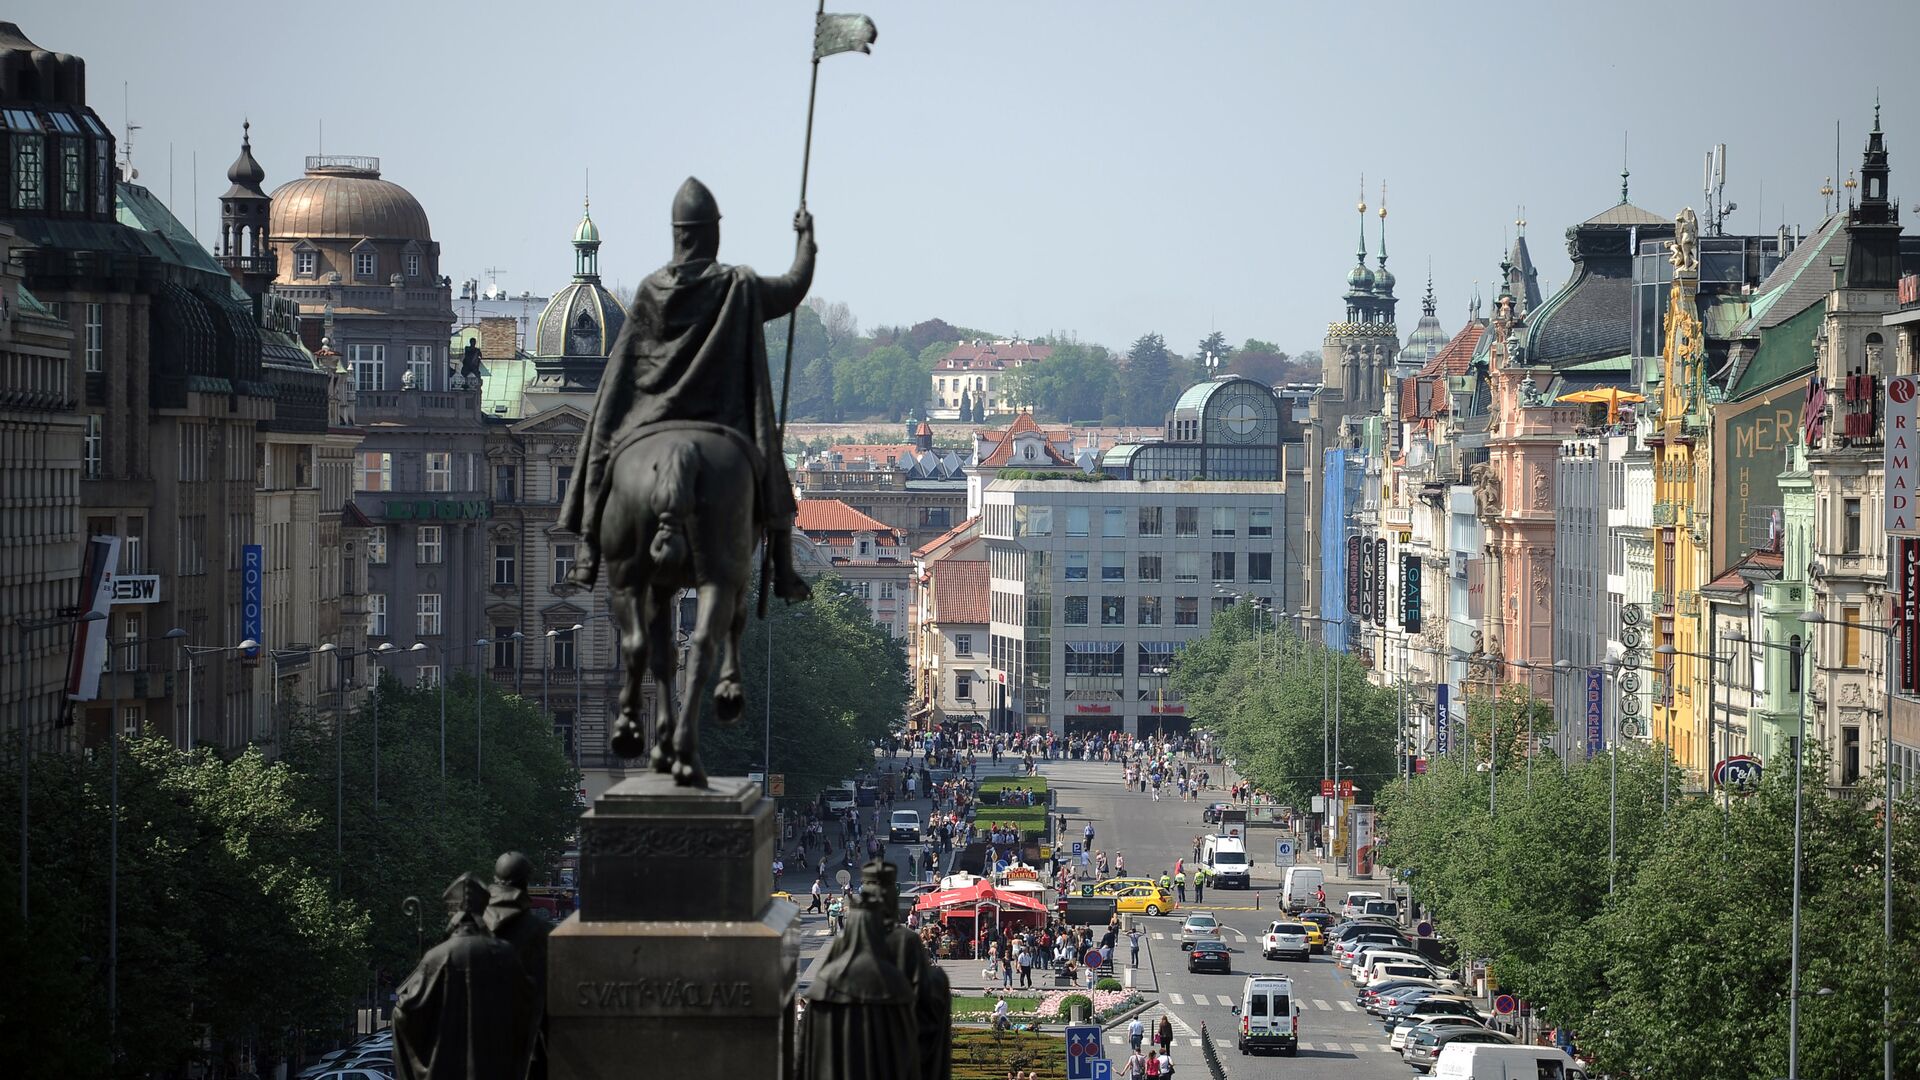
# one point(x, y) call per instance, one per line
point(466, 1013)
point(693, 348)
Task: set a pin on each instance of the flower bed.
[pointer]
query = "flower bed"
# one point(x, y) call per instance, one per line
point(1046, 1008)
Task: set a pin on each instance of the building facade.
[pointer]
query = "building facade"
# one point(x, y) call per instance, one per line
point(869, 557)
point(972, 377)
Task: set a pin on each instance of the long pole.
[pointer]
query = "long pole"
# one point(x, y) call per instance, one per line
point(192, 662)
point(1666, 739)
point(1886, 856)
point(377, 673)
point(1529, 670)
point(766, 760)
point(479, 717)
point(113, 860)
point(340, 768)
point(1793, 989)
point(443, 719)
point(806, 164)
point(1493, 747)
point(21, 664)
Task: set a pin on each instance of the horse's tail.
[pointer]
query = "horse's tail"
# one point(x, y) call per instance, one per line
point(673, 498)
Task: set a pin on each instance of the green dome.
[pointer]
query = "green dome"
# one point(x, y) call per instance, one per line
point(587, 232)
point(1383, 282)
point(1360, 279)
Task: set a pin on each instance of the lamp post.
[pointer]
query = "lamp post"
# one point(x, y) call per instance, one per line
point(546, 668)
point(1886, 818)
point(385, 648)
point(479, 675)
point(115, 730)
point(1330, 729)
point(1715, 661)
point(1798, 651)
point(193, 652)
point(1530, 667)
point(23, 631)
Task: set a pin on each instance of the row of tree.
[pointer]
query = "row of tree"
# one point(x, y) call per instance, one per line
point(840, 373)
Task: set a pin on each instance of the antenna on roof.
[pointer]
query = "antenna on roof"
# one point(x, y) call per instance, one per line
point(127, 171)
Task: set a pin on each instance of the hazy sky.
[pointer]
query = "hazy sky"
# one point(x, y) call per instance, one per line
point(1021, 166)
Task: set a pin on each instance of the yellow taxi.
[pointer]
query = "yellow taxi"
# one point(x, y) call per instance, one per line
point(1317, 923)
point(1143, 900)
point(1116, 886)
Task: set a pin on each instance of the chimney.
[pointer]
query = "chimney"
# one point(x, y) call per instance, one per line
point(499, 337)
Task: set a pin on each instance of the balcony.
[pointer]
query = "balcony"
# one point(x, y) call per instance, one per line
point(383, 298)
point(455, 405)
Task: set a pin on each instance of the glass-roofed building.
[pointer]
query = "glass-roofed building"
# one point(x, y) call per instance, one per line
point(1228, 428)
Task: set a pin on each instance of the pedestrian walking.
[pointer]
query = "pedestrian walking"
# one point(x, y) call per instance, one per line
point(1136, 1034)
point(1151, 1069)
point(1136, 1065)
point(1164, 1036)
point(816, 905)
point(1026, 965)
point(1133, 947)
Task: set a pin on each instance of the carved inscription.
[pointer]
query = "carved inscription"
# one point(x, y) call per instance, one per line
point(663, 995)
point(664, 841)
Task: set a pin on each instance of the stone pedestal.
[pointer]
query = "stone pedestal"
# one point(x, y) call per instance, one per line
point(677, 962)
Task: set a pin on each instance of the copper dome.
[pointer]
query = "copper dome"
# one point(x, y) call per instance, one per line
point(345, 197)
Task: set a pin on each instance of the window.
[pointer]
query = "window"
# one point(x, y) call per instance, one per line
point(90, 449)
point(96, 340)
point(1186, 611)
point(562, 562)
point(1223, 565)
point(1260, 521)
point(369, 364)
point(1222, 603)
point(420, 365)
point(1039, 520)
point(1260, 566)
point(1149, 568)
point(963, 685)
point(1186, 566)
point(1850, 526)
point(1223, 521)
point(1113, 611)
point(1076, 568)
point(377, 545)
point(1849, 755)
point(427, 545)
point(306, 263)
point(413, 264)
point(1186, 521)
point(963, 644)
point(193, 544)
point(73, 177)
point(1076, 611)
point(1850, 649)
point(1113, 521)
point(376, 614)
point(1095, 658)
point(1147, 609)
point(505, 570)
point(564, 657)
point(364, 264)
point(886, 590)
point(1113, 566)
point(426, 620)
point(562, 476)
point(505, 646)
point(439, 470)
point(506, 483)
point(427, 676)
point(1149, 521)
point(28, 168)
point(1076, 521)
point(1794, 663)
point(376, 472)
point(129, 647)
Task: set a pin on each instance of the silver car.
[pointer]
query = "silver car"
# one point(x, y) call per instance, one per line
point(1200, 926)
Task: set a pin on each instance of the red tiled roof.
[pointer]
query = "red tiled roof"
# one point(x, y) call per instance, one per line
point(944, 537)
point(822, 516)
point(961, 592)
point(1454, 358)
point(995, 356)
point(1003, 445)
point(1757, 565)
point(878, 453)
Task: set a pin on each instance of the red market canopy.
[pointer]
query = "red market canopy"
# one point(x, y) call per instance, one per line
point(978, 894)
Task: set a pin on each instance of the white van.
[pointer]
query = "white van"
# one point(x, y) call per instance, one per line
point(841, 797)
point(1492, 1061)
point(1366, 965)
point(1269, 1015)
point(1296, 890)
point(1226, 856)
point(904, 827)
point(1356, 903)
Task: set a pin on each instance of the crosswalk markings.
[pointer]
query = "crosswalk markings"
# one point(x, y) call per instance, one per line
point(1158, 936)
point(1349, 1006)
point(1175, 999)
point(1225, 1000)
point(1357, 1048)
point(1321, 1005)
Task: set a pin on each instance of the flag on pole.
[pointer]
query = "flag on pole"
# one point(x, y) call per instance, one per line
point(842, 33)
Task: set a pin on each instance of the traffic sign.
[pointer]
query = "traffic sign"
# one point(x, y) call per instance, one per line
point(1079, 849)
point(1102, 1069)
point(1425, 929)
point(843, 878)
point(777, 785)
point(1083, 1048)
point(1505, 1004)
point(1086, 890)
point(1095, 958)
point(1283, 853)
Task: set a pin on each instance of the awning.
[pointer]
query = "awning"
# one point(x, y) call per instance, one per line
point(976, 895)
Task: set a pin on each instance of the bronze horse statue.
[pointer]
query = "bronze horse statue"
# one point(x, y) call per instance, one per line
point(681, 474)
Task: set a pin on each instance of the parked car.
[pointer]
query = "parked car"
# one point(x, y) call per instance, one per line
point(1405, 998)
point(1431, 1022)
point(1356, 903)
point(1114, 886)
point(1211, 815)
point(1289, 939)
point(1432, 1005)
point(1465, 1059)
point(1423, 1047)
point(1200, 926)
point(1210, 956)
point(1144, 900)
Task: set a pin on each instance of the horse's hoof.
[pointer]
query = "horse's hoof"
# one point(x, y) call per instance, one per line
point(687, 774)
point(661, 762)
point(729, 701)
point(627, 741)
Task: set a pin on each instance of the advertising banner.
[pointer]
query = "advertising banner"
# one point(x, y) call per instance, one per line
point(1353, 575)
point(1442, 721)
point(252, 567)
point(1902, 415)
point(1596, 716)
point(1366, 579)
point(89, 655)
point(1908, 615)
point(1410, 593)
point(1380, 581)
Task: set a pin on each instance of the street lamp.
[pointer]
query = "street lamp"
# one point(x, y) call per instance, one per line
point(1330, 727)
point(546, 668)
point(194, 651)
point(1886, 818)
point(1669, 650)
point(479, 674)
point(1798, 649)
point(1530, 667)
point(23, 631)
point(385, 648)
point(115, 730)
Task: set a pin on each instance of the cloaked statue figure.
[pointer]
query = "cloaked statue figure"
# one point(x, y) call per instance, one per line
point(861, 1021)
point(680, 474)
point(932, 992)
point(510, 918)
point(467, 1011)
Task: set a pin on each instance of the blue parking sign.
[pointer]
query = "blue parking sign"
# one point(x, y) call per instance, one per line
point(1102, 1069)
point(1083, 1049)
point(1079, 849)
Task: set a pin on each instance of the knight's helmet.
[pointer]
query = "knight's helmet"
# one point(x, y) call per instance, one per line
point(693, 204)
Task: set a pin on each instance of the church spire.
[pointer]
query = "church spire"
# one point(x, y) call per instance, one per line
point(1360, 252)
point(1426, 303)
point(1623, 168)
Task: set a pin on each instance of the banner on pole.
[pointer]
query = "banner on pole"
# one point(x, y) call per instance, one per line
point(1907, 617)
point(252, 570)
point(1354, 563)
point(1410, 592)
point(1902, 420)
point(1380, 581)
point(1442, 721)
point(1596, 716)
point(89, 655)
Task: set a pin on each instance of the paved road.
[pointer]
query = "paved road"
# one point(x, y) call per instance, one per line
point(1338, 1040)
